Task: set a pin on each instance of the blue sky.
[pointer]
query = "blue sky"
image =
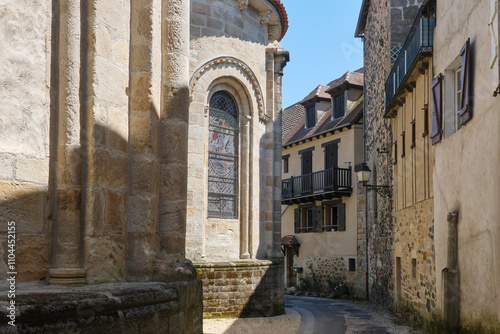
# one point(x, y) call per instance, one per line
point(321, 43)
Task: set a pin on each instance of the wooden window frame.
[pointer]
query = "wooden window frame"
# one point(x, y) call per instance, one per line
point(426, 120)
point(286, 163)
point(466, 101)
point(339, 106)
point(437, 109)
point(310, 117)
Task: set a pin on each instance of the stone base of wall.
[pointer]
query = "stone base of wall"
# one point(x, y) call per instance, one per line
point(105, 308)
point(245, 288)
point(335, 269)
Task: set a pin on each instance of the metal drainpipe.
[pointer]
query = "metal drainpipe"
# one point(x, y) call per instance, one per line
point(366, 192)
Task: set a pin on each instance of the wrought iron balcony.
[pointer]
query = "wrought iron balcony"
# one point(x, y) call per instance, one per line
point(328, 183)
point(418, 45)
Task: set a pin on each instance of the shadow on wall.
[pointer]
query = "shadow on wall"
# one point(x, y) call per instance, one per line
point(33, 209)
point(268, 299)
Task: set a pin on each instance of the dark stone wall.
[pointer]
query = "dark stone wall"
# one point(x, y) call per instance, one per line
point(250, 288)
point(378, 141)
point(387, 24)
point(402, 14)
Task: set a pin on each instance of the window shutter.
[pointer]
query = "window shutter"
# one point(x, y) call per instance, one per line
point(395, 152)
point(437, 110)
point(403, 144)
point(318, 218)
point(297, 220)
point(341, 216)
point(413, 137)
point(465, 103)
point(426, 120)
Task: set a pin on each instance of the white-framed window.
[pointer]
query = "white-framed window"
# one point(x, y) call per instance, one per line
point(453, 96)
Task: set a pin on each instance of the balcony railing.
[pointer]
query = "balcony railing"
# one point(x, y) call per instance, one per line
point(326, 181)
point(419, 41)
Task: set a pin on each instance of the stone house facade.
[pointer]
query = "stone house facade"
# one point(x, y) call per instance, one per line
point(383, 26)
point(442, 112)
point(466, 183)
point(408, 104)
point(104, 153)
point(322, 214)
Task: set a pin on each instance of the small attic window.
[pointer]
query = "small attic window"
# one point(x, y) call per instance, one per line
point(338, 106)
point(310, 117)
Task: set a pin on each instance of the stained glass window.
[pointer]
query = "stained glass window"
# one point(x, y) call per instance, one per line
point(223, 157)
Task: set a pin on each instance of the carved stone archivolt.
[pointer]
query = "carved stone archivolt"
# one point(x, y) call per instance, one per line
point(265, 16)
point(243, 4)
point(268, 15)
point(239, 66)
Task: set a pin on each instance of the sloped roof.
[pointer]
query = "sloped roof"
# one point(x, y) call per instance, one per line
point(363, 13)
point(349, 79)
point(318, 93)
point(291, 116)
point(325, 124)
point(294, 116)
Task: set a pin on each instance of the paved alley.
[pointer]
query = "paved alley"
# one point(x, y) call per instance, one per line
point(307, 315)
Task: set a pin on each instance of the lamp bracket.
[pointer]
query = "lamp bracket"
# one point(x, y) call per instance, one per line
point(381, 190)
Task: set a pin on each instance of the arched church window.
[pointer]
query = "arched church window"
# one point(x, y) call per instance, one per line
point(223, 157)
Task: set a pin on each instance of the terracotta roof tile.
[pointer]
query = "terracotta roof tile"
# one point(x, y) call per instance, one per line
point(352, 78)
point(318, 92)
point(291, 116)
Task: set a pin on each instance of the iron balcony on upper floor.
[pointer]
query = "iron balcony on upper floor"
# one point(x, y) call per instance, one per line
point(329, 183)
point(417, 46)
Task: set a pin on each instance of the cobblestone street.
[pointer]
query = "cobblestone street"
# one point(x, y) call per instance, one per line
point(306, 315)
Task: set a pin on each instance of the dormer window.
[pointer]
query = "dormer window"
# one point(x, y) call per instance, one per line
point(310, 117)
point(338, 106)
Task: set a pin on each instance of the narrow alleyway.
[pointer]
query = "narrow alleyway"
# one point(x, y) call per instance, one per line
point(307, 315)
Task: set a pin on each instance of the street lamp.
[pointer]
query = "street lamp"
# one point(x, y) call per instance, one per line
point(363, 172)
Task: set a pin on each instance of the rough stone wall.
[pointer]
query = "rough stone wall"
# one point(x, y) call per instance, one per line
point(402, 15)
point(415, 278)
point(242, 288)
point(414, 244)
point(387, 25)
point(378, 138)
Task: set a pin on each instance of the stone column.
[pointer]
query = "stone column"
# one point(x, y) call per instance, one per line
point(142, 223)
point(174, 118)
point(281, 57)
point(245, 187)
point(67, 266)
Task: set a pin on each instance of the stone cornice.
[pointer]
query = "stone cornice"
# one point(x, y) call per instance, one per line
point(241, 66)
point(272, 13)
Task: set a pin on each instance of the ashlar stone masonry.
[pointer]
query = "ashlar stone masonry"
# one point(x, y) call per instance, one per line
point(104, 150)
